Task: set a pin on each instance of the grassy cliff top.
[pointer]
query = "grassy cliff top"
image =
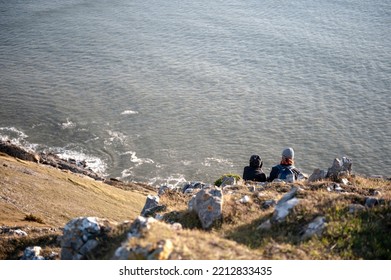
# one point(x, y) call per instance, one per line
point(41, 199)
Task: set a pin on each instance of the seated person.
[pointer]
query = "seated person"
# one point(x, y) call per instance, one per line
point(254, 171)
point(286, 170)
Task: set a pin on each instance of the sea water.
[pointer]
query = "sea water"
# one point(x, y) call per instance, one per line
point(187, 90)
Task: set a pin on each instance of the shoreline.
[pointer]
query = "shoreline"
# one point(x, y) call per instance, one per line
point(71, 165)
point(80, 167)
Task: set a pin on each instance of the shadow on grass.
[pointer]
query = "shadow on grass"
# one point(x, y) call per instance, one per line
point(363, 235)
point(13, 248)
point(370, 236)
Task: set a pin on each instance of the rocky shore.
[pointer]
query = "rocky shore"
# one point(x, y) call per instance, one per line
point(71, 165)
point(51, 159)
point(332, 214)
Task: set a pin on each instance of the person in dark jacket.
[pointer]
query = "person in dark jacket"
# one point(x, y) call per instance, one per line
point(254, 171)
point(287, 162)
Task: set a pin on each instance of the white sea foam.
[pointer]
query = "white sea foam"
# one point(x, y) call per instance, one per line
point(129, 112)
point(37, 125)
point(115, 136)
point(92, 139)
point(174, 180)
point(210, 161)
point(16, 137)
point(68, 124)
point(96, 164)
point(12, 134)
point(186, 162)
point(138, 161)
point(126, 173)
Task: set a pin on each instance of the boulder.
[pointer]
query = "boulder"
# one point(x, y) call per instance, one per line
point(335, 188)
point(228, 181)
point(284, 205)
point(288, 196)
point(192, 186)
point(340, 168)
point(159, 250)
point(140, 226)
point(316, 227)
point(18, 232)
point(151, 206)
point(163, 189)
point(32, 253)
point(268, 203)
point(345, 181)
point(266, 225)
point(245, 199)
point(371, 202)
point(251, 188)
point(317, 175)
point(208, 204)
point(82, 235)
point(376, 193)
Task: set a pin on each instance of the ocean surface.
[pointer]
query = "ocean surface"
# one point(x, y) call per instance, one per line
point(186, 90)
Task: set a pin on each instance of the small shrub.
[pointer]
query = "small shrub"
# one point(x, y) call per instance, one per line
point(33, 218)
point(220, 180)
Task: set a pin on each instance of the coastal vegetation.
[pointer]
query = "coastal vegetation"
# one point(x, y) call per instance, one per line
point(39, 200)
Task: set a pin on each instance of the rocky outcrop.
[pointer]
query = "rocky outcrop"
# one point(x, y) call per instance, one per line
point(317, 175)
point(159, 250)
point(282, 210)
point(192, 187)
point(16, 151)
point(284, 205)
point(268, 204)
point(32, 253)
point(228, 181)
point(208, 204)
point(316, 227)
point(72, 165)
point(373, 201)
point(82, 235)
point(151, 206)
point(341, 168)
point(10, 231)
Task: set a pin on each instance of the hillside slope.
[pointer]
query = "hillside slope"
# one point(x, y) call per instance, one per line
point(57, 196)
point(41, 199)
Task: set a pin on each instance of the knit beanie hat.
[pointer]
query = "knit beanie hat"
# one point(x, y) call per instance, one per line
point(288, 153)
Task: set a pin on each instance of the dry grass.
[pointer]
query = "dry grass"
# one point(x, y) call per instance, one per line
point(362, 235)
point(54, 197)
point(36, 198)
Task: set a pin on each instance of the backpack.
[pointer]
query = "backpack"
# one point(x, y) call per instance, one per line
point(286, 173)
